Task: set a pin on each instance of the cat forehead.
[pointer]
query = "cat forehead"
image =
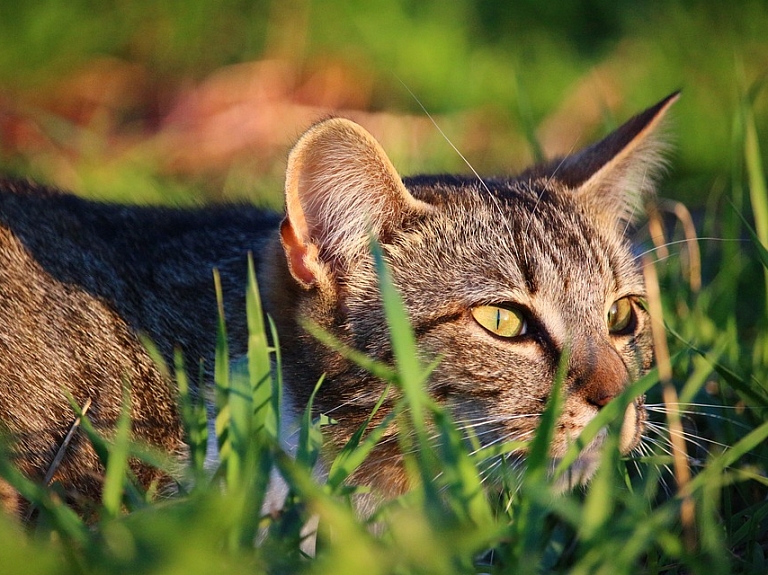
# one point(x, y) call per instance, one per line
point(514, 195)
point(502, 239)
point(521, 209)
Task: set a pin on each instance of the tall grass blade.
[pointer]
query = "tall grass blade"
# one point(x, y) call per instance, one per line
point(410, 373)
point(411, 378)
point(193, 418)
point(103, 450)
point(221, 377)
point(762, 251)
point(358, 449)
point(277, 378)
point(715, 468)
point(530, 527)
point(466, 494)
point(376, 368)
point(117, 467)
point(758, 191)
point(259, 364)
point(310, 436)
point(62, 519)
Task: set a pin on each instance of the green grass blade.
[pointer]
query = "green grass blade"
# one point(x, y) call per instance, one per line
point(758, 191)
point(240, 404)
point(67, 524)
point(419, 456)
point(717, 466)
point(409, 370)
point(530, 528)
point(356, 449)
point(310, 436)
point(600, 502)
point(762, 252)
point(538, 454)
point(103, 450)
point(466, 494)
point(747, 385)
point(221, 377)
point(277, 378)
point(193, 418)
point(115, 476)
point(376, 368)
point(259, 364)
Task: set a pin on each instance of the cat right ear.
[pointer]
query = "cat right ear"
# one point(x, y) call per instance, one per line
point(615, 175)
point(340, 189)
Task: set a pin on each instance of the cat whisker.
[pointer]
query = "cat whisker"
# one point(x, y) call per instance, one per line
point(367, 399)
point(646, 450)
point(663, 438)
point(691, 404)
point(447, 139)
point(701, 442)
point(501, 440)
point(690, 413)
point(671, 243)
point(465, 424)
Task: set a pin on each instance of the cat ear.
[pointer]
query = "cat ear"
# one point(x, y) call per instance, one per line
point(615, 175)
point(340, 189)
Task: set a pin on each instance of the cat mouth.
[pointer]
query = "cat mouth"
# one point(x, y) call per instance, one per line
point(581, 471)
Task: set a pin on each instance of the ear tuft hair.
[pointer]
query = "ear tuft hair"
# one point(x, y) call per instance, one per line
point(615, 175)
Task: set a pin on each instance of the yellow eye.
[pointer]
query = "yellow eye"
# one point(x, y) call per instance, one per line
point(620, 315)
point(500, 321)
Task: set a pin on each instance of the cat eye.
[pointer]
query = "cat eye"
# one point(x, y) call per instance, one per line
point(500, 321)
point(620, 315)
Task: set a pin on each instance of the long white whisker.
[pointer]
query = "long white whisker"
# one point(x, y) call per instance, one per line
point(685, 241)
point(447, 139)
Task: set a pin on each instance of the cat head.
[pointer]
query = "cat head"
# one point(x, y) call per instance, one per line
point(500, 278)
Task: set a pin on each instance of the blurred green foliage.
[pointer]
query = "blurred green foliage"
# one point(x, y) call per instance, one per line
point(516, 62)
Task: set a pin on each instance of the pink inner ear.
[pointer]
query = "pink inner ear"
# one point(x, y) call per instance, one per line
point(297, 254)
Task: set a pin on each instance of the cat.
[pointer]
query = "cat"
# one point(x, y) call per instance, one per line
point(499, 277)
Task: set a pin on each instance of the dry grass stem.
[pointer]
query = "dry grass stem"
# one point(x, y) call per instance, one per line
point(683, 215)
point(672, 406)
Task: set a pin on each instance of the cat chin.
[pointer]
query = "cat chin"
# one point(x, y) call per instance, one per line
point(584, 468)
point(578, 474)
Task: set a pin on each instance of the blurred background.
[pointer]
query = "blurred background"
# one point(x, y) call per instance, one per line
point(185, 101)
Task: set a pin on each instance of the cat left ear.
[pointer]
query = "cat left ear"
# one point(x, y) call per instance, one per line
point(341, 189)
point(615, 175)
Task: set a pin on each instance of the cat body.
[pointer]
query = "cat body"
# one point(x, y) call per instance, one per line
point(80, 283)
point(500, 278)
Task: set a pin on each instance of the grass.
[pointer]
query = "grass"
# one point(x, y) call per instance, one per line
point(482, 69)
point(627, 520)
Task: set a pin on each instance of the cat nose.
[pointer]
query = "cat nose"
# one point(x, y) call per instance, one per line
point(599, 377)
point(600, 400)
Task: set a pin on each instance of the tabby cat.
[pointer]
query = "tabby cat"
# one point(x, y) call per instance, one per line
point(499, 277)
